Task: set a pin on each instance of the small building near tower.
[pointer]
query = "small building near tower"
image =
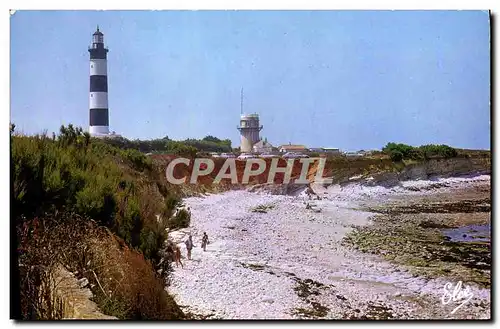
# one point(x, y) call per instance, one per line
point(332, 150)
point(262, 146)
point(293, 148)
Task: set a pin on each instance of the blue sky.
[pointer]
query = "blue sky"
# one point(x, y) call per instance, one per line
point(348, 79)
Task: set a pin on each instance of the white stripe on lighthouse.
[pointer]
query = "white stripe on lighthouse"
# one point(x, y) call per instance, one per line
point(96, 130)
point(98, 100)
point(98, 67)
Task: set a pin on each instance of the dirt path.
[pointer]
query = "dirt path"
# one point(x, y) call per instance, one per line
point(273, 257)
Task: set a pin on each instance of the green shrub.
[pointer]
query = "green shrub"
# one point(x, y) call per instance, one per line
point(207, 144)
point(92, 178)
point(396, 156)
point(180, 220)
point(131, 223)
point(403, 151)
point(98, 202)
point(438, 151)
point(138, 160)
point(171, 203)
point(416, 154)
point(151, 241)
point(181, 149)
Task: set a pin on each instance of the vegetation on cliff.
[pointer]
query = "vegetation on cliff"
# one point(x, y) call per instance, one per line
point(188, 147)
point(399, 151)
point(118, 189)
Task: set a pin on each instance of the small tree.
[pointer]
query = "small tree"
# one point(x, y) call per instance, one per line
point(396, 156)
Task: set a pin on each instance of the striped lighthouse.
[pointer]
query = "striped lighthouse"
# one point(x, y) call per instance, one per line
point(98, 104)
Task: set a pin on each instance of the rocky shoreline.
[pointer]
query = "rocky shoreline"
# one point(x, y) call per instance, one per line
point(297, 257)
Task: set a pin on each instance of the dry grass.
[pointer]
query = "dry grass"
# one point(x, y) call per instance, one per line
point(123, 282)
point(130, 287)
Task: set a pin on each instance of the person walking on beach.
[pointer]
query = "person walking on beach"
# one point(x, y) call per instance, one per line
point(177, 256)
point(189, 246)
point(204, 241)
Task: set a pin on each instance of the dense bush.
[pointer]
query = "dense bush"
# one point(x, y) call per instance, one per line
point(181, 149)
point(188, 147)
point(93, 179)
point(181, 219)
point(396, 156)
point(138, 160)
point(405, 150)
point(210, 145)
point(398, 152)
point(438, 151)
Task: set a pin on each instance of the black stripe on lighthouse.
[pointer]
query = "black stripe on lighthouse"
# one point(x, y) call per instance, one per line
point(99, 117)
point(98, 83)
point(98, 53)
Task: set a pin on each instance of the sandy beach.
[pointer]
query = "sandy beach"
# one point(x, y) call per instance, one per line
point(283, 257)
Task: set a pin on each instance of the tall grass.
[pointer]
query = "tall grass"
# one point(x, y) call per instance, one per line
point(123, 282)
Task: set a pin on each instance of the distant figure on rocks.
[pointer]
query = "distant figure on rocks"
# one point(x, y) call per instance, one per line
point(189, 246)
point(177, 256)
point(204, 241)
